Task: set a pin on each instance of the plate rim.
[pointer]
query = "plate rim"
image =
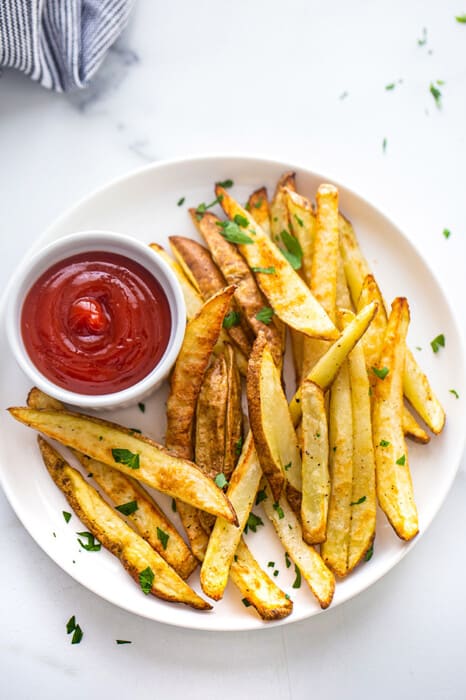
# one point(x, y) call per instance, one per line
point(287, 165)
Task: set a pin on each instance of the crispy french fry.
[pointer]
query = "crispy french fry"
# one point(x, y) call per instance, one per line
point(319, 578)
point(257, 588)
point(210, 281)
point(271, 426)
point(130, 453)
point(335, 549)
point(316, 477)
point(416, 386)
point(258, 206)
point(412, 429)
point(303, 227)
point(279, 219)
point(225, 538)
point(393, 477)
point(288, 295)
point(236, 271)
point(234, 415)
point(105, 524)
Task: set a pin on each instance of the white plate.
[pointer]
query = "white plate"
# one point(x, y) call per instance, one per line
point(144, 204)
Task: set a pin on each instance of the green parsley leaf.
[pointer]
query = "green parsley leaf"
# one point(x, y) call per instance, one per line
point(276, 572)
point(71, 625)
point(181, 201)
point(369, 553)
point(146, 579)
point(246, 602)
point(271, 564)
point(142, 407)
point(247, 206)
point(287, 560)
point(261, 496)
point(279, 510)
point(66, 515)
point(293, 252)
point(390, 86)
point(122, 456)
point(173, 505)
point(287, 466)
point(123, 641)
point(231, 319)
point(77, 635)
point(438, 342)
point(436, 94)
point(446, 232)
point(128, 508)
point(203, 207)
point(380, 373)
point(240, 220)
point(92, 545)
point(360, 500)
point(384, 443)
point(461, 19)
point(300, 221)
point(287, 596)
point(265, 315)
point(264, 270)
point(253, 523)
point(384, 145)
point(163, 537)
point(455, 393)
point(297, 581)
point(259, 203)
point(401, 460)
point(233, 234)
point(226, 184)
point(220, 480)
point(239, 446)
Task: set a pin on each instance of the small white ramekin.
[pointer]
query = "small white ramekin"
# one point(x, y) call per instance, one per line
point(31, 269)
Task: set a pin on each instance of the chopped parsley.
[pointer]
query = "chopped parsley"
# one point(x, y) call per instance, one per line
point(390, 86)
point(71, 625)
point(455, 393)
point(231, 319)
point(287, 560)
point(203, 207)
point(128, 508)
point(276, 572)
point(226, 184)
point(77, 635)
point(173, 505)
point(221, 480)
point(300, 221)
point(436, 94)
point(240, 220)
point(384, 145)
point(297, 581)
point(239, 446)
point(246, 602)
point(369, 553)
point(67, 516)
point(461, 19)
point(146, 579)
point(259, 203)
point(123, 641)
point(384, 443)
point(181, 201)
point(122, 456)
point(253, 523)
point(380, 373)
point(287, 466)
point(265, 315)
point(446, 232)
point(279, 510)
point(92, 545)
point(438, 342)
point(293, 252)
point(142, 407)
point(401, 460)
point(360, 500)
point(264, 270)
point(233, 233)
point(163, 537)
point(271, 564)
point(261, 496)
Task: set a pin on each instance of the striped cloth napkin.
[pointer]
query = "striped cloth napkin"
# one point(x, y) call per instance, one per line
point(59, 43)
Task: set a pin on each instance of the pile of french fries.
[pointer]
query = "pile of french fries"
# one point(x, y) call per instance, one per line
point(317, 465)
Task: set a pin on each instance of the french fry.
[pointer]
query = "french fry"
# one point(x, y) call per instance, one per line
point(279, 219)
point(393, 477)
point(315, 477)
point(257, 588)
point(258, 206)
point(269, 417)
point(236, 271)
point(286, 292)
point(114, 534)
point(319, 578)
point(133, 454)
point(416, 386)
point(234, 414)
point(210, 281)
point(335, 549)
point(303, 227)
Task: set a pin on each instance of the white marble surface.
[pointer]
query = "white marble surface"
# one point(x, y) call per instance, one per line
point(264, 78)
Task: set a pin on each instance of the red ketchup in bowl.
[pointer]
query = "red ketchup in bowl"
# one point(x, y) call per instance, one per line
point(96, 323)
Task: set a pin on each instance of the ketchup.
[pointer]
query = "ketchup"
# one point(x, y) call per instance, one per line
point(96, 323)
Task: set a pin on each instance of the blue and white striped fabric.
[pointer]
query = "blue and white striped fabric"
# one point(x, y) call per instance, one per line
point(59, 43)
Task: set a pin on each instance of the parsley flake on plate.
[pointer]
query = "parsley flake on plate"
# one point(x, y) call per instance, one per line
point(66, 515)
point(438, 342)
point(92, 545)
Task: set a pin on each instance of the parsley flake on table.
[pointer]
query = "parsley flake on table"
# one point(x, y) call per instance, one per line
point(438, 342)
point(253, 523)
point(146, 579)
point(380, 373)
point(455, 393)
point(163, 537)
point(360, 500)
point(293, 252)
point(401, 460)
point(66, 515)
point(265, 315)
point(122, 456)
point(221, 480)
point(436, 94)
point(181, 201)
point(128, 508)
point(297, 581)
point(264, 270)
point(92, 545)
point(446, 233)
point(232, 318)
point(233, 233)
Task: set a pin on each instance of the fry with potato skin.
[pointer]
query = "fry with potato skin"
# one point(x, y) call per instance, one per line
point(286, 292)
point(258, 207)
point(114, 534)
point(393, 477)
